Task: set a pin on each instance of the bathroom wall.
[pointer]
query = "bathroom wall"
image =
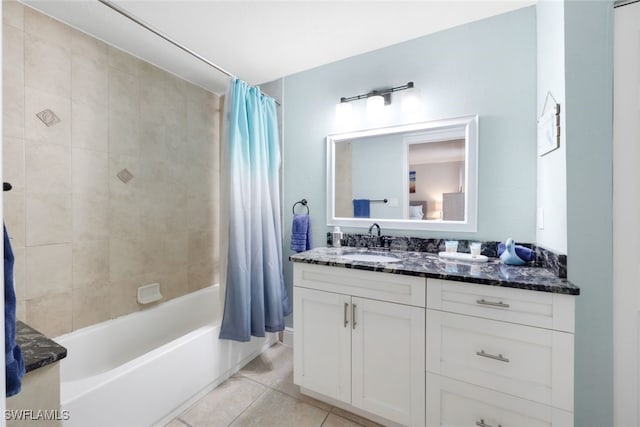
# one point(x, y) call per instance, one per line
point(551, 227)
point(589, 120)
point(486, 67)
point(121, 192)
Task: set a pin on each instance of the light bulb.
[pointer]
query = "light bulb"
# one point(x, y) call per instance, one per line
point(375, 105)
point(343, 111)
point(410, 101)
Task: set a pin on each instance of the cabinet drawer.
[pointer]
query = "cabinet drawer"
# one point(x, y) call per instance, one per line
point(541, 309)
point(528, 362)
point(382, 286)
point(455, 403)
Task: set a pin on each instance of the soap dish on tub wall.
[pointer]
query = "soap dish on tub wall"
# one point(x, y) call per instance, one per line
point(149, 293)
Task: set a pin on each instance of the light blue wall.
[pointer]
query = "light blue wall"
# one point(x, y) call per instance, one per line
point(589, 93)
point(486, 68)
point(377, 174)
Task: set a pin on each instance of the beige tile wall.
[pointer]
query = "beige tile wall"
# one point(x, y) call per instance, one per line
point(84, 241)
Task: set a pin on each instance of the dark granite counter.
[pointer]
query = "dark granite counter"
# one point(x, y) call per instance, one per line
point(37, 350)
point(425, 264)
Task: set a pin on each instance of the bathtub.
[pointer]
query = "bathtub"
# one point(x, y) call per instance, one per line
point(143, 369)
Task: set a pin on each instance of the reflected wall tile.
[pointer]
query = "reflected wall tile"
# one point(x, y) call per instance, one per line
point(117, 188)
point(21, 310)
point(90, 126)
point(90, 217)
point(90, 83)
point(174, 284)
point(13, 166)
point(202, 276)
point(48, 167)
point(201, 247)
point(124, 217)
point(124, 92)
point(176, 251)
point(90, 263)
point(14, 217)
point(19, 271)
point(123, 293)
point(13, 54)
point(13, 108)
point(13, 13)
point(48, 270)
point(51, 314)
point(201, 214)
point(90, 306)
point(125, 259)
point(48, 28)
point(123, 61)
point(90, 171)
point(123, 133)
point(152, 138)
point(37, 101)
point(89, 47)
point(48, 218)
point(47, 66)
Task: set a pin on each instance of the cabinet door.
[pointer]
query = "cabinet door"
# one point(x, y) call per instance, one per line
point(322, 346)
point(388, 360)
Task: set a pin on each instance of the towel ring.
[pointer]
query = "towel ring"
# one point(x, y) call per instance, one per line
point(302, 202)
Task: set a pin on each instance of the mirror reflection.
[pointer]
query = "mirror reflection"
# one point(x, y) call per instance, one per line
point(412, 176)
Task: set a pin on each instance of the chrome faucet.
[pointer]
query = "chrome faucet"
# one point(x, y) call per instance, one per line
point(373, 241)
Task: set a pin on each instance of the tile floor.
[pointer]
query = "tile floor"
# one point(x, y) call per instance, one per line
point(263, 394)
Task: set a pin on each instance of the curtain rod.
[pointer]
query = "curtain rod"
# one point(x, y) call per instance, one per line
point(143, 24)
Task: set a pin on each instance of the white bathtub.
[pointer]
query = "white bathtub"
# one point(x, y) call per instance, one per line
point(145, 368)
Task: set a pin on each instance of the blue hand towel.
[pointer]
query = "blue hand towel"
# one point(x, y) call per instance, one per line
point(300, 233)
point(525, 254)
point(361, 208)
point(14, 363)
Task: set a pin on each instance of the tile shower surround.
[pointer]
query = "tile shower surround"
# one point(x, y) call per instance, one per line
point(545, 258)
point(119, 192)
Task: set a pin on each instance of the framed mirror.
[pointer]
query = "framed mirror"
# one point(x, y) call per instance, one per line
point(419, 176)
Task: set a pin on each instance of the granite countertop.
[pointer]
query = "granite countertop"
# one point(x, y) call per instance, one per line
point(425, 264)
point(37, 350)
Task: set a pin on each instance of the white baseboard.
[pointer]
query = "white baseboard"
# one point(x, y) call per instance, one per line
point(287, 337)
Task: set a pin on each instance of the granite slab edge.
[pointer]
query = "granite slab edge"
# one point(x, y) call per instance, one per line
point(429, 265)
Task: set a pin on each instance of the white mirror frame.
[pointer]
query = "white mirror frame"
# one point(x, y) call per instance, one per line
point(467, 126)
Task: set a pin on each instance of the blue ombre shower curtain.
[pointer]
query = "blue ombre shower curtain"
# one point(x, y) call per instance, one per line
point(256, 299)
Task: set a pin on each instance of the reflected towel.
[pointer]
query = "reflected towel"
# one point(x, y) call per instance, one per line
point(361, 208)
point(14, 363)
point(300, 233)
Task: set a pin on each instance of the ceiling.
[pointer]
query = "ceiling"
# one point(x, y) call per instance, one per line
point(260, 41)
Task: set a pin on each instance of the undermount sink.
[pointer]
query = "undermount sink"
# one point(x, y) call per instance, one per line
point(359, 256)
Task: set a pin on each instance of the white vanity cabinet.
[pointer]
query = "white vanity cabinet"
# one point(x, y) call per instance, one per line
point(360, 340)
point(498, 356)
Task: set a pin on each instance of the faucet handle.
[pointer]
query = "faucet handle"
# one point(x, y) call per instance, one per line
point(386, 242)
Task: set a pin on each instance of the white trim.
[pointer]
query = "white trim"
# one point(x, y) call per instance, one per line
point(466, 124)
point(287, 337)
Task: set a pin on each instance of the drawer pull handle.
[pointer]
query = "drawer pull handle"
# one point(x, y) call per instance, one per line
point(353, 315)
point(346, 321)
point(492, 304)
point(481, 423)
point(499, 357)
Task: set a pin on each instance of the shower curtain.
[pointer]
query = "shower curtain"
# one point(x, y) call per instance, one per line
point(256, 299)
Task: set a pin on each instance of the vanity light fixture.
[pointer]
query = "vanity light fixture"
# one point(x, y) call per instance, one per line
point(378, 99)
